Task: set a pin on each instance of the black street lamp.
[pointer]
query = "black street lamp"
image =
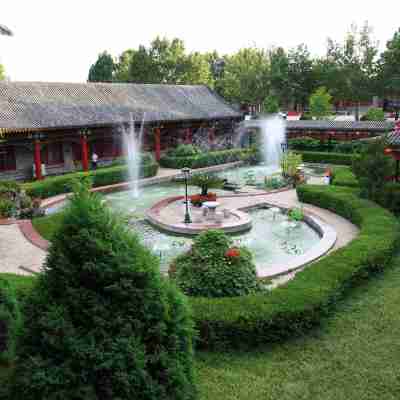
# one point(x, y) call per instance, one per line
point(186, 174)
point(284, 147)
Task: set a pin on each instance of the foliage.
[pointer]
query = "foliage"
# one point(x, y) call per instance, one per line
point(102, 70)
point(290, 161)
point(206, 159)
point(102, 323)
point(7, 208)
point(2, 73)
point(326, 158)
point(310, 144)
point(274, 182)
point(290, 310)
point(304, 143)
point(10, 321)
point(342, 176)
point(205, 182)
point(389, 75)
point(245, 77)
point(306, 117)
point(271, 105)
point(320, 103)
point(214, 268)
point(296, 214)
point(374, 114)
point(371, 168)
point(184, 150)
point(52, 186)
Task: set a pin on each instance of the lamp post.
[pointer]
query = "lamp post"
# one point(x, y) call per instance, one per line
point(186, 174)
point(284, 147)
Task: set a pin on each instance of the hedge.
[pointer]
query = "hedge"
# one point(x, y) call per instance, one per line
point(101, 177)
point(342, 176)
point(322, 157)
point(292, 309)
point(206, 159)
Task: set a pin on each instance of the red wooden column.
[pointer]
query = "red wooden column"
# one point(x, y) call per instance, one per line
point(188, 137)
point(211, 135)
point(84, 148)
point(157, 143)
point(38, 161)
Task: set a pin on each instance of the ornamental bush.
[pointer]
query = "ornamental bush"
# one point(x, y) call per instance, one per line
point(102, 323)
point(214, 268)
point(9, 322)
point(184, 150)
point(53, 186)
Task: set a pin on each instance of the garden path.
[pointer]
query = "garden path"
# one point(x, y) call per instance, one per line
point(20, 256)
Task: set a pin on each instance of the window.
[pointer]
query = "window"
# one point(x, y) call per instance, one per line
point(52, 154)
point(7, 158)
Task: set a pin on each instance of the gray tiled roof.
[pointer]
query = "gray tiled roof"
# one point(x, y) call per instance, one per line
point(343, 126)
point(25, 105)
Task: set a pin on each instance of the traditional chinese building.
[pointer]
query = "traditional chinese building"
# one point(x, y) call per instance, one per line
point(393, 148)
point(54, 128)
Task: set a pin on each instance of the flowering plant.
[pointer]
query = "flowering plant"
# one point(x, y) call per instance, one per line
point(233, 252)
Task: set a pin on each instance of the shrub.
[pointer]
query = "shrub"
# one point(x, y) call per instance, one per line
point(206, 159)
point(304, 143)
point(292, 309)
point(213, 268)
point(206, 181)
point(342, 176)
point(184, 150)
point(373, 114)
point(306, 117)
point(371, 168)
point(7, 208)
point(102, 323)
point(326, 158)
point(9, 322)
point(53, 186)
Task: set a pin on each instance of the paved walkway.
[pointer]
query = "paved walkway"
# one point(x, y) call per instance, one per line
point(17, 254)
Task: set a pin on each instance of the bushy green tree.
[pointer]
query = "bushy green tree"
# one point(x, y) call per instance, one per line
point(320, 103)
point(213, 268)
point(102, 70)
point(10, 320)
point(374, 114)
point(371, 166)
point(102, 323)
point(206, 181)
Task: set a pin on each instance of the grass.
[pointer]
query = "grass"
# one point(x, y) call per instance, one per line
point(353, 355)
point(47, 225)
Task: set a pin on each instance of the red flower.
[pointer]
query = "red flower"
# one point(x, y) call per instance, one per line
point(233, 252)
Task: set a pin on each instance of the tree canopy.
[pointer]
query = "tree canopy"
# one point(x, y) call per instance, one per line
point(351, 70)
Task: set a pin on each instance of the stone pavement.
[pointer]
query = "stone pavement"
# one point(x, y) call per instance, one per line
point(17, 254)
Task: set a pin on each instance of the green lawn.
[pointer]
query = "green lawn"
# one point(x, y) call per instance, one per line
point(47, 225)
point(354, 355)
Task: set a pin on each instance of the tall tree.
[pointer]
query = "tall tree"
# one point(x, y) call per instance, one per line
point(300, 75)
point(102, 70)
point(246, 76)
point(356, 63)
point(197, 70)
point(121, 73)
point(279, 75)
point(389, 71)
point(320, 103)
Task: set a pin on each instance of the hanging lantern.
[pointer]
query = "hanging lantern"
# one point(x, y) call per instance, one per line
point(387, 150)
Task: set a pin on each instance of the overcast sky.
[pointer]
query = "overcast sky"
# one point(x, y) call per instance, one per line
point(58, 40)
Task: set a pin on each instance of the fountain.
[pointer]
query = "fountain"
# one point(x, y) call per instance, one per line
point(273, 135)
point(132, 142)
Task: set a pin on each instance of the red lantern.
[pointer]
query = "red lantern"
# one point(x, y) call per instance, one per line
point(387, 150)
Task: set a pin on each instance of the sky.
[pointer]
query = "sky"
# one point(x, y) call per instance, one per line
point(58, 40)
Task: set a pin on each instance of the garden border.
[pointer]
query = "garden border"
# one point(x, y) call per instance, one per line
point(292, 309)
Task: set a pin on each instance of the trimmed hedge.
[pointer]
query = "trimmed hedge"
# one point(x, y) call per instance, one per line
point(9, 322)
point(206, 159)
point(53, 186)
point(342, 176)
point(326, 158)
point(292, 309)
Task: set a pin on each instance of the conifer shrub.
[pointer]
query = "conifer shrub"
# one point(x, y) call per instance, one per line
point(9, 322)
point(215, 268)
point(102, 323)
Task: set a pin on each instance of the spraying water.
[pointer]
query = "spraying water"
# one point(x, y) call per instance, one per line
point(272, 134)
point(132, 142)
